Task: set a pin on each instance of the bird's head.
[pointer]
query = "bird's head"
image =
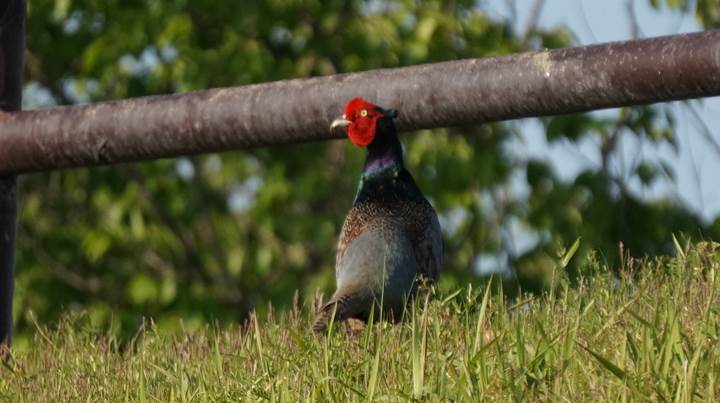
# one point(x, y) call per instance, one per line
point(361, 120)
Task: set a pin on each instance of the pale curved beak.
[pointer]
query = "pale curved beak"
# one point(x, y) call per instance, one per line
point(339, 124)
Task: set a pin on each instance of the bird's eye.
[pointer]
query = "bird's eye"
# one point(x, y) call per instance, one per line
point(363, 112)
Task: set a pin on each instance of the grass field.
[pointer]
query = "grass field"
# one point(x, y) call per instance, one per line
point(653, 334)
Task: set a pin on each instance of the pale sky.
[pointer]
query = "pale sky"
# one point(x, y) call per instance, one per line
point(696, 165)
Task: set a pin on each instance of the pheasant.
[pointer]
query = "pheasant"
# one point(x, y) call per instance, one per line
point(390, 242)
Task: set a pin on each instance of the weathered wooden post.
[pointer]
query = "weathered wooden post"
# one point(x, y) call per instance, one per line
point(12, 46)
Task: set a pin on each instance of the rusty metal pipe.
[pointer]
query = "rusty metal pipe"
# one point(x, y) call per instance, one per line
point(427, 96)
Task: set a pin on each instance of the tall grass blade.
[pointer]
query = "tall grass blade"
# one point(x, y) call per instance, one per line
point(481, 318)
point(607, 364)
point(570, 253)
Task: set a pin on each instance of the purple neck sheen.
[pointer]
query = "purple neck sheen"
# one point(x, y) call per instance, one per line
point(385, 151)
point(378, 163)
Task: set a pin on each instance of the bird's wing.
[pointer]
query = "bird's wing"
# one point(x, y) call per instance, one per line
point(377, 267)
point(355, 222)
point(380, 258)
point(428, 242)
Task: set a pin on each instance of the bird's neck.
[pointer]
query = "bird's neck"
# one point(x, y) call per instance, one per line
point(384, 154)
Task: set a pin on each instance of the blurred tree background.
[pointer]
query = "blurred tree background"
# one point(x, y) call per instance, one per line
point(212, 237)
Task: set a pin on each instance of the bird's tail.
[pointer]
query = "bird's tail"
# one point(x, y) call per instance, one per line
point(339, 308)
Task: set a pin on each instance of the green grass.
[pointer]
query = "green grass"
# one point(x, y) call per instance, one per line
point(653, 335)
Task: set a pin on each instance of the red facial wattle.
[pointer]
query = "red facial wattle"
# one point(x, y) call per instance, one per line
point(362, 130)
point(363, 117)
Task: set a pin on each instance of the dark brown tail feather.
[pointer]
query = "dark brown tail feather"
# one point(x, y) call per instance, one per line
point(338, 309)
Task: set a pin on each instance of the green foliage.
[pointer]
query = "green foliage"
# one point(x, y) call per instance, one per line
point(654, 336)
point(213, 237)
point(706, 11)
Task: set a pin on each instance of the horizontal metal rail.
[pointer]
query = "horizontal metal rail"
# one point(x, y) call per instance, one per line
point(433, 95)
